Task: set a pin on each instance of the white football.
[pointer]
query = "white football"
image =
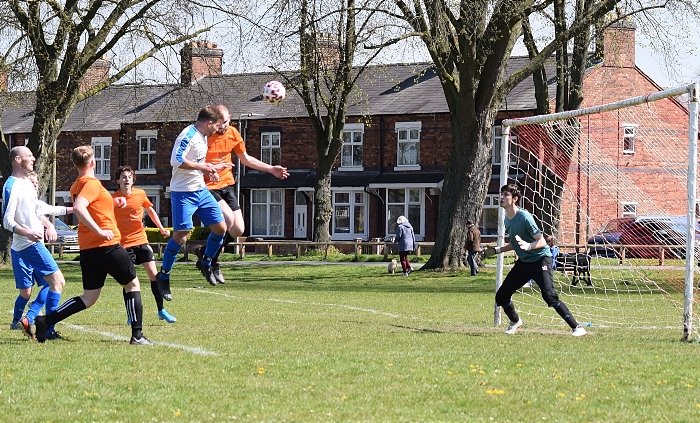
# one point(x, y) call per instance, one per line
point(274, 92)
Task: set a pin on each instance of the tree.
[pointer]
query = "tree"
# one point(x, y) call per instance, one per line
point(470, 44)
point(58, 42)
point(328, 42)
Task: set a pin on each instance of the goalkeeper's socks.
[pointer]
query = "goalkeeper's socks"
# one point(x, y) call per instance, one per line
point(509, 310)
point(565, 314)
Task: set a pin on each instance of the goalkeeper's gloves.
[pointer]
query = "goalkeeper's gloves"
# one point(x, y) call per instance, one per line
point(524, 245)
point(491, 251)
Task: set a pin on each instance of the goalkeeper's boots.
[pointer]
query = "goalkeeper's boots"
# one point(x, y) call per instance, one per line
point(578, 331)
point(513, 327)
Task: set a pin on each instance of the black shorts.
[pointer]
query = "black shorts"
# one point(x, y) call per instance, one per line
point(97, 263)
point(228, 194)
point(140, 254)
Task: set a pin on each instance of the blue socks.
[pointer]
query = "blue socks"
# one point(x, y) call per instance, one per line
point(214, 243)
point(20, 304)
point(169, 256)
point(38, 304)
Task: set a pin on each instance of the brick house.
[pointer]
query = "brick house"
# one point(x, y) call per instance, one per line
point(397, 140)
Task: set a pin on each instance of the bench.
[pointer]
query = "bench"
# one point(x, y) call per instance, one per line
point(578, 263)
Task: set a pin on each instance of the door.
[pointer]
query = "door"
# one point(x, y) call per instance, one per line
point(300, 214)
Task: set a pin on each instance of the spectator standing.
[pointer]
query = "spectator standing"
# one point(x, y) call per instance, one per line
point(473, 246)
point(554, 249)
point(407, 243)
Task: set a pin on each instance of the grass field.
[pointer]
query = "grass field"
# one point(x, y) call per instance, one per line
point(337, 343)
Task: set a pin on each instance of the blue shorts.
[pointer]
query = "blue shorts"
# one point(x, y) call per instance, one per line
point(34, 261)
point(187, 204)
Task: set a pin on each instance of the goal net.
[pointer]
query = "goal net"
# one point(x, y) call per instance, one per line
point(616, 186)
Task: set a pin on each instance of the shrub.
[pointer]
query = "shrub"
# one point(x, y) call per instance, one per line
point(198, 233)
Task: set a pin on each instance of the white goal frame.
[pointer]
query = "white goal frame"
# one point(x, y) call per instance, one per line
point(693, 92)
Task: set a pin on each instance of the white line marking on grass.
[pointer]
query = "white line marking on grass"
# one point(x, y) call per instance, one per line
point(275, 300)
point(194, 350)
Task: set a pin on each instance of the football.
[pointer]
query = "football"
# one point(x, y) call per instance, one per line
point(274, 92)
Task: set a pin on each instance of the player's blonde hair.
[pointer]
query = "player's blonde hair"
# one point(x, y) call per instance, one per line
point(81, 156)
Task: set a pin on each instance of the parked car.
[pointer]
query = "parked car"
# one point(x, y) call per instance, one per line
point(640, 231)
point(609, 235)
point(66, 236)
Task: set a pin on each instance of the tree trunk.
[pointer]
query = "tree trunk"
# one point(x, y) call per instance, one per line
point(466, 184)
point(323, 208)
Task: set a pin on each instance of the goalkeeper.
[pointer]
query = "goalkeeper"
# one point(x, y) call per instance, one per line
point(534, 262)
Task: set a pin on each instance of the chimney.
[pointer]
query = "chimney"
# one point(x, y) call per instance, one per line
point(97, 73)
point(618, 44)
point(200, 58)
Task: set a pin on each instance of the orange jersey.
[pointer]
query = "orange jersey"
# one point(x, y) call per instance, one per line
point(129, 218)
point(101, 209)
point(219, 149)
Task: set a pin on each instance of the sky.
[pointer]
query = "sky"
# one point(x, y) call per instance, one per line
point(651, 63)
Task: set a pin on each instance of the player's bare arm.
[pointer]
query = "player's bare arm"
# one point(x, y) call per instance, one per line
point(277, 171)
point(80, 209)
point(155, 219)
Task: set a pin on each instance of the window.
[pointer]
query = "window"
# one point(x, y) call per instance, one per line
point(629, 209)
point(408, 149)
point(349, 215)
point(102, 147)
point(266, 216)
point(489, 216)
point(629, 133)
point(147, 151)
point(351, 152)
point(497, 141)
point(405, 202)
point(270, 152)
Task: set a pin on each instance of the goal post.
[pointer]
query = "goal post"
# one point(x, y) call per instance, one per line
point(617, 182)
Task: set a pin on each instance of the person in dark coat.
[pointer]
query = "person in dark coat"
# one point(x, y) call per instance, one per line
point(473, 246)
point(407, 243)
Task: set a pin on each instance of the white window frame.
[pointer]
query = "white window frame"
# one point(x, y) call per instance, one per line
point(629, 137)
point(491, 202)
point(268, 204)
point(629, 208)
point(351, 204)
point(102, 144)
point(408, 127)
point(497, 139)
point(418, 229)
point(352, 129)
point(141, 136)
point(269, 149)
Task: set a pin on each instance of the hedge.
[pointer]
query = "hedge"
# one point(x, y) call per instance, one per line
point(198, 233)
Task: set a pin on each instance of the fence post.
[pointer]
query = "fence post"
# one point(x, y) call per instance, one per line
point(60, 251)
point(661, 255)
point(269, 250)
point(417, 250)
point(622, 255)
point(386, 251)
point(242, 251)
point(298, 251)
point(325, 257)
